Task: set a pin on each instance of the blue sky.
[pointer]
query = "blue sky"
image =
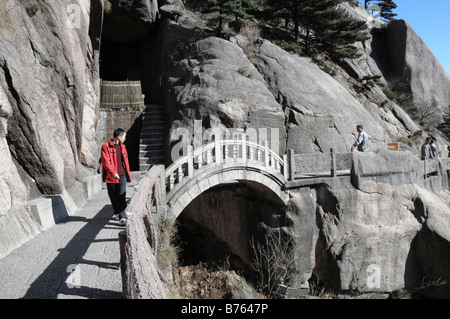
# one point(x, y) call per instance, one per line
point(430, 20)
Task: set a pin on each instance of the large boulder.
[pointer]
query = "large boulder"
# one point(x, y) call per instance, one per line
point(412, 61)
point(213, 79)
point(49, 85)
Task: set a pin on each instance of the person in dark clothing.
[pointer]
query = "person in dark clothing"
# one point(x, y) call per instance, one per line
point(116, 173)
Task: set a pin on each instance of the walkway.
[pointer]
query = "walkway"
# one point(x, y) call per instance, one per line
point(76, 259)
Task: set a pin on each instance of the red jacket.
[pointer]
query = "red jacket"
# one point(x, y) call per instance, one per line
point(109, 162)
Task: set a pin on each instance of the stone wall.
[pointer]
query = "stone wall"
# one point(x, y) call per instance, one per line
point(110, 119)
point(139, 245)
point(321, 162)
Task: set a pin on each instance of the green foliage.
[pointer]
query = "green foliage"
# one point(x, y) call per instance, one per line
point(386, 8)
point(290, 46)
point(230, 10)
point(390, 95)
point(418, 133)
point(338, 32)
point(369, 81)
point(327, 27)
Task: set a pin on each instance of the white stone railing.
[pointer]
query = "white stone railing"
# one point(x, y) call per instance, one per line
point(238, 151)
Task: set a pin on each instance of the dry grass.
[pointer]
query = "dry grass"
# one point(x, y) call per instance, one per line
point(251, 31)
point(206, 281)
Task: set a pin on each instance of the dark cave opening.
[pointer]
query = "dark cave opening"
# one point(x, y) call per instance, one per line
point(125, 61)
point(121, 61)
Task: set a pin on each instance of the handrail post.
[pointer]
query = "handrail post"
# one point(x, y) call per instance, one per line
point(244, 148)
point(226, 152)
point(162, 184)
point(425, 168)
point(291, 161)
point(266, 153)
point(217, 150)
point(235, 148)
point(190, 160)
point(333, 163)
point(285, 166)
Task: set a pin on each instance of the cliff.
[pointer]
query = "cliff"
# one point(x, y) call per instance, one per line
point(50, 75)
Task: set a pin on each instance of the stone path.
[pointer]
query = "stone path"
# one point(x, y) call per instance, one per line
point(76, 259)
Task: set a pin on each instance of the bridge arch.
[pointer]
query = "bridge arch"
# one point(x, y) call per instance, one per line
point(220, 162)
point(217, 175)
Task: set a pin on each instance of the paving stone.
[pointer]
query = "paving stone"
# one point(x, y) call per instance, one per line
point(78, 258)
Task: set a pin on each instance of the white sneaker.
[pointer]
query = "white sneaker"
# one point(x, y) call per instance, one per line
point(122, 221)
point(116, 217)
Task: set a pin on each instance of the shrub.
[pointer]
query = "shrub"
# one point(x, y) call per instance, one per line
point(390, 95)
point(291, 47)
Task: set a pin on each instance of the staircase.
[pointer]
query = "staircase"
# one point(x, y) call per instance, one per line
point(151, 151)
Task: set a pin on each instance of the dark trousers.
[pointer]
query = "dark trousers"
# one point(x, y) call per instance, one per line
point(117, 194)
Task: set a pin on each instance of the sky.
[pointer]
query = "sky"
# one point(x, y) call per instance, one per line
point(430, 20)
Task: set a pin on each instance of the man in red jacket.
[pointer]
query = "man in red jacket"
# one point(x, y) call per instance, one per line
point(116, 173)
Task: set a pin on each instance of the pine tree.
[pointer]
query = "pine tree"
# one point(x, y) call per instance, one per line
point(326, 26)
point(386, 8)
point(287, 10)
point(229, 10)
point(336, 32)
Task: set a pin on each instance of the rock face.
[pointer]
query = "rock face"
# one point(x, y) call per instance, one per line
point(45, 82)
point(213, 79)
point(320, 113)
point(385, 221)
point(413, 61)
point(48, 82)
point(49, 117)
point(312, 110)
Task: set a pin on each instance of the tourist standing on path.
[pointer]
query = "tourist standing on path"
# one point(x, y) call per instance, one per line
point(116, 173)
point(426, 149)
point(434, 149)
point(362, 142)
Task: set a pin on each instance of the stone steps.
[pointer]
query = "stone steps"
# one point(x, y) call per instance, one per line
point(151, 149)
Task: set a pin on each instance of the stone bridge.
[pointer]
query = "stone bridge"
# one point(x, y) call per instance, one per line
point(219, 162)
point(165, 192)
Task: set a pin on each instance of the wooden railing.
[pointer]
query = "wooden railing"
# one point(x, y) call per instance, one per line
point(239, 151)
point(121, 94)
